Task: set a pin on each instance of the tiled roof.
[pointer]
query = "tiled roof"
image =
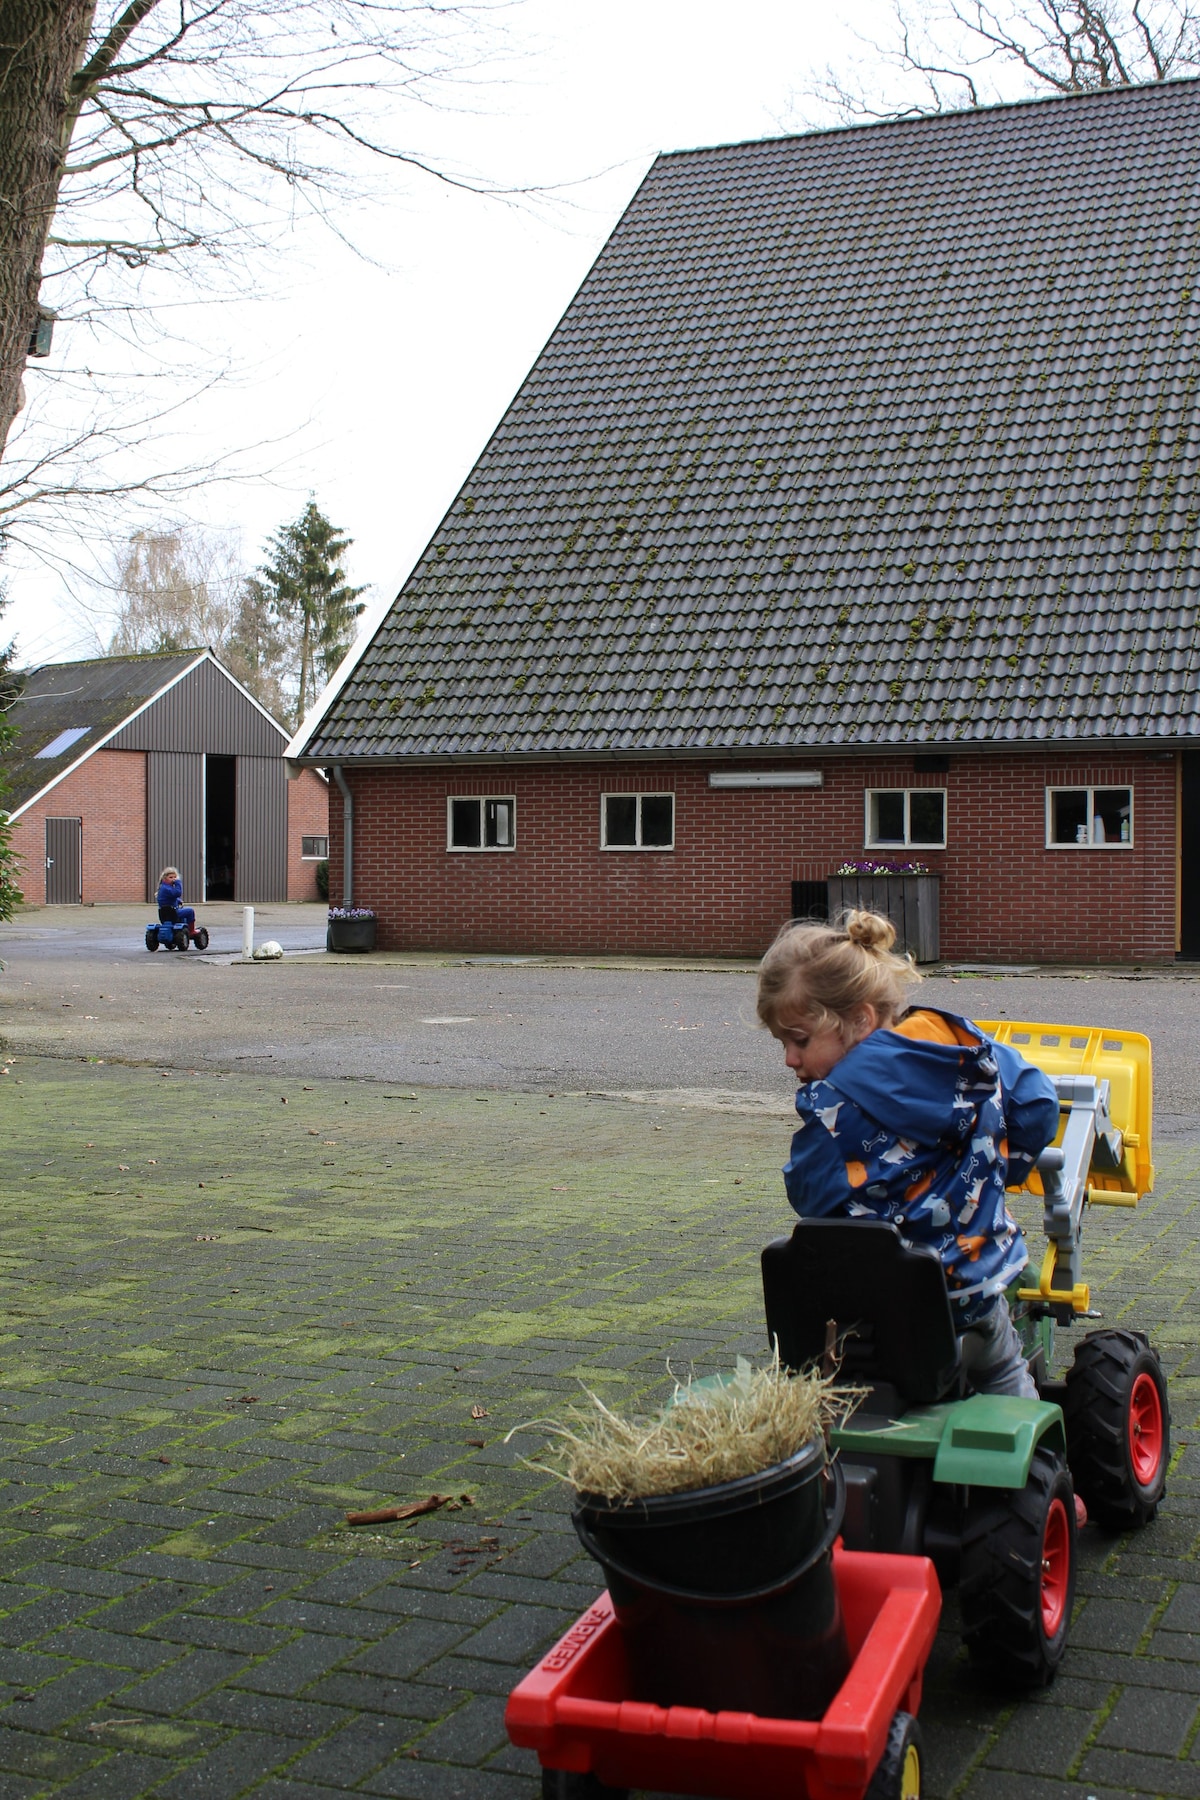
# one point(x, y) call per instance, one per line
point(63, 697)
point(877, 436)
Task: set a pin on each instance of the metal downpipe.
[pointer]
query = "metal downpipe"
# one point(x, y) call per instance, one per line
point(347, 836)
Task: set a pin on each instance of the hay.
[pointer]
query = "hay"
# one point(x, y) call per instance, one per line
point(706, 1434)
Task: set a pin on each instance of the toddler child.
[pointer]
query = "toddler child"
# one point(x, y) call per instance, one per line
point(170, 896)
point(908, 1115)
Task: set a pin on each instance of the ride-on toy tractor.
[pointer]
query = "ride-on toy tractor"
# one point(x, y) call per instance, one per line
point(168, 934)
point(979, 1488)
point(984, 1485)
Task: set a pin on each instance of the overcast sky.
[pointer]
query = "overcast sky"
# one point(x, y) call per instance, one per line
point(379, 385)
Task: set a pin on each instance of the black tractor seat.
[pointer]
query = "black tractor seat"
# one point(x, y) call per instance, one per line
point(887, 1302)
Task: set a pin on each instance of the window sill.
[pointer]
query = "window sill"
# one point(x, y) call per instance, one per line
point(1109, 844)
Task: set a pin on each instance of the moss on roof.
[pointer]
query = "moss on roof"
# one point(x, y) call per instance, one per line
point(864, 437)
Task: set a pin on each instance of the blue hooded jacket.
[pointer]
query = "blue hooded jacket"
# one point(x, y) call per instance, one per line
point(928, 1134)
point(170, 897)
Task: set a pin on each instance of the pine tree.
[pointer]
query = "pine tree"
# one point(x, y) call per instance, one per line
point(305, 590)
point(256, 652)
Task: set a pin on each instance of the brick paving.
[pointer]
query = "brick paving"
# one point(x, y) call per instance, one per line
point(230, 1320)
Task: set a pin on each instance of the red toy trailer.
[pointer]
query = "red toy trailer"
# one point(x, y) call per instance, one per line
point(594, 1741)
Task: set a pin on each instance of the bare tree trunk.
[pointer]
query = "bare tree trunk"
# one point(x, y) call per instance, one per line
point(42, 46)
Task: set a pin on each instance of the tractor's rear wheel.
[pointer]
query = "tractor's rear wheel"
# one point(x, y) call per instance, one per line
point(1118, 1427)
point(898, 1776)
point(151, 938)
point(1018, 1575)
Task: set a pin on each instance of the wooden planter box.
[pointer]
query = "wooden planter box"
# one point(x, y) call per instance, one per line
point(351, 934)
point(911, 902)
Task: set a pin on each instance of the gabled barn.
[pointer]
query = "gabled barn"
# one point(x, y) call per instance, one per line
point(126, 763)
point(850, 512)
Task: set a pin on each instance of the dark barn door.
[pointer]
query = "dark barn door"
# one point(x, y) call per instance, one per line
point(1189, 862)
point(220, 828)
point(64, 862)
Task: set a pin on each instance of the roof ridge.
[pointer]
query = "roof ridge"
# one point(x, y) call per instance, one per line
point(950, 116)
point(87, 662)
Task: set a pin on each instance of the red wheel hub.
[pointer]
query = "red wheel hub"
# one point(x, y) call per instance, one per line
point(1056, 1568)
point(1145, 1426)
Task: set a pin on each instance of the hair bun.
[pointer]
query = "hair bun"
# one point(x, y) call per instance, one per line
point(870, 931)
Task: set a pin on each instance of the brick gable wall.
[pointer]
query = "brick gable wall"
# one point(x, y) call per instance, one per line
point(308, 816)
point(108, 792)
point(725, 887)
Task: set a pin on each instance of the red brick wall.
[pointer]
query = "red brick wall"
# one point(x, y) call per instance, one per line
point(725, 888)
point(109, 794)
point(308, 816)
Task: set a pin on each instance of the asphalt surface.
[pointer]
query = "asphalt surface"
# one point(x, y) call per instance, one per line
point(78, 982)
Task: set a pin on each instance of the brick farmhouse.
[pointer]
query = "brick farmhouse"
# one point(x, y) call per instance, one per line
point(126, 763)
point(849, 513)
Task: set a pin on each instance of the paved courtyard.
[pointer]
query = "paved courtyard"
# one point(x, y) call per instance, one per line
point(230, 1320)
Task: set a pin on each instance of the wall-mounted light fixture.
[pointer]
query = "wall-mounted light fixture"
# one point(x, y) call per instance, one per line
point(766, 778)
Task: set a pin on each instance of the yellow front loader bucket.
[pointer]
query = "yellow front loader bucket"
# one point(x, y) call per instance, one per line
point(1122, 1058)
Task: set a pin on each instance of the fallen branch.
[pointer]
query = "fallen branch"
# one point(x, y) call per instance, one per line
point(411, 1509)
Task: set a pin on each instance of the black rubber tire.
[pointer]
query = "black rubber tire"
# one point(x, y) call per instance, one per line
point(1005, 1569)
point(181, 940)
point(903, 1757)
point(567, 1784)
point(1109, 1370)
point(152, 940)
point(202, 939)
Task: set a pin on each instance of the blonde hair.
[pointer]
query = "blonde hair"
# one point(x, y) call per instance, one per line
point(169, 870)
point(824, 972)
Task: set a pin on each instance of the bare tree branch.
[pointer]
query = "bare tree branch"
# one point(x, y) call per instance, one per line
point(951, 53)
point(169, 139)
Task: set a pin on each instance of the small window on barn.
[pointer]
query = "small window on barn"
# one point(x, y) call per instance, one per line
point(481, 822)
point(314, 848)
point(906, 818)
point(637, 821)
point(57, 746)
point(1087, 817)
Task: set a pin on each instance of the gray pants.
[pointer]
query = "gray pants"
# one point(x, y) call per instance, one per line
point(991, 1356)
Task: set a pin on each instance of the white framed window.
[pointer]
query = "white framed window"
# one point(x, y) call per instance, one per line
point(481, 822)
point(906, 818)
point(314, 849)
point(637, 821)
point(1089, 818)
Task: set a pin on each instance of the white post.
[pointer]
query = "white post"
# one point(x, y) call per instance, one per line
point(247, 933)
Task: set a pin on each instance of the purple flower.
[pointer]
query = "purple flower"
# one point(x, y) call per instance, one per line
point(351, 912)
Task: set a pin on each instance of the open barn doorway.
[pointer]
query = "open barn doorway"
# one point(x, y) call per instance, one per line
point(220, 821)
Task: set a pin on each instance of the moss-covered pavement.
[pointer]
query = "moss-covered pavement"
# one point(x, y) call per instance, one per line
point(230, 1320)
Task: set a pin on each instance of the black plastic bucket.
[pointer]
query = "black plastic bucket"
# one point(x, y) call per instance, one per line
point(725, 1596)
